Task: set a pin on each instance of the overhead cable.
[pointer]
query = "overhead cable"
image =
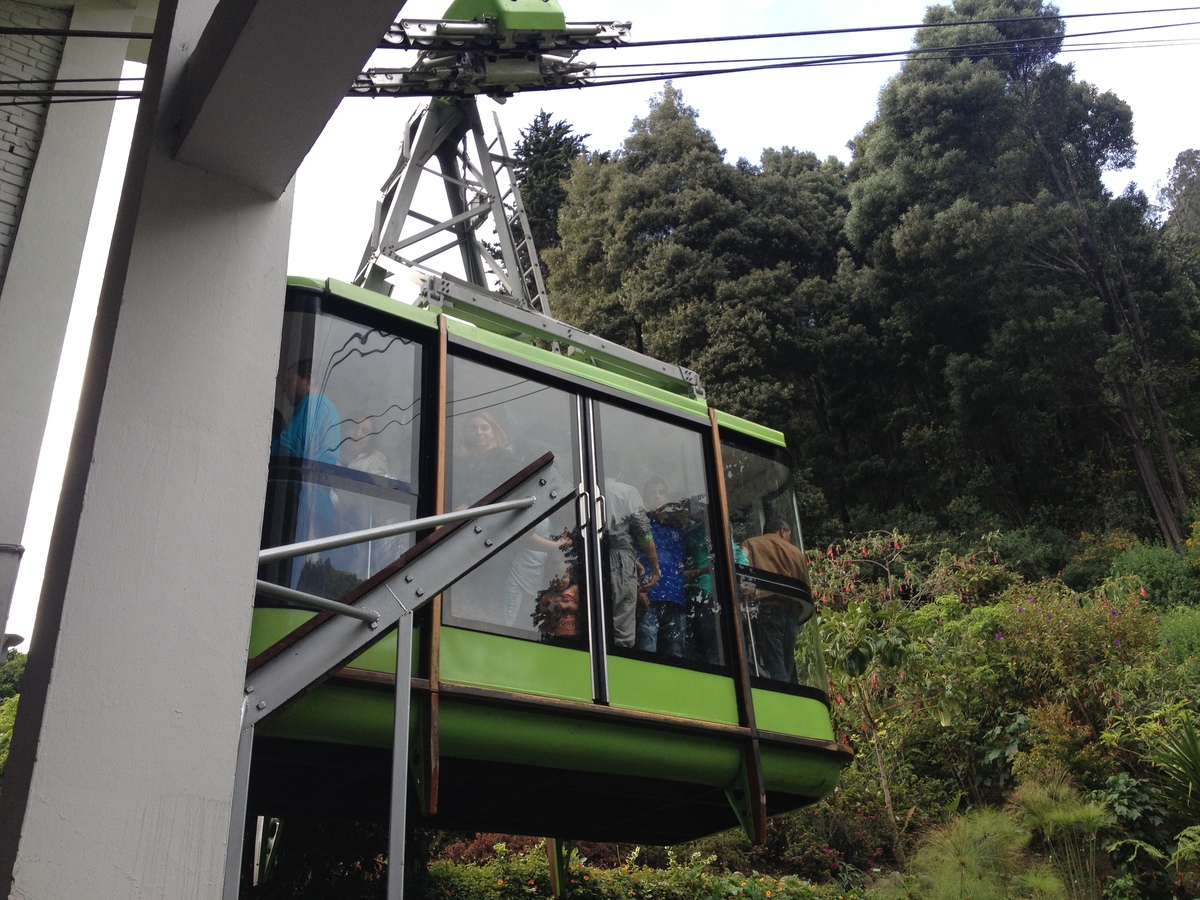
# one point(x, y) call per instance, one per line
point(867, 29)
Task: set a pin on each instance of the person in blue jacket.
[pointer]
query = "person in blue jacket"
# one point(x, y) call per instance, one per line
point(314, 432)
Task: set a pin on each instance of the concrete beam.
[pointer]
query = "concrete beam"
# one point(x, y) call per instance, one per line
point(265, 78)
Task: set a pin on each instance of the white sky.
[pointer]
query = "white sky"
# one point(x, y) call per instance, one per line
point(816, 109)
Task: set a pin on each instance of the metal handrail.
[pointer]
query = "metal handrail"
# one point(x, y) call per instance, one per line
point(312, 601)
point(317, 545)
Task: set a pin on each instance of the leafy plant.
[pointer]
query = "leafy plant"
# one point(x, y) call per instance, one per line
point(1068, 825)
point(977, 855)
point(1166, 577)
point(1176, 760)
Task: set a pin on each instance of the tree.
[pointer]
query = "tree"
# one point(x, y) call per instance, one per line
point(11, 675)
point(672, 251)
point(543, 161)
point(1181, 195)
point(1003, 271)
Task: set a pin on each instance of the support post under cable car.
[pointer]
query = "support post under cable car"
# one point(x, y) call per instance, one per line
point(630, 655)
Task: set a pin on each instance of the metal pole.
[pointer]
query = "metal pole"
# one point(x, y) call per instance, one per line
point(311, 601)
point(398, 823)
point(317, 545)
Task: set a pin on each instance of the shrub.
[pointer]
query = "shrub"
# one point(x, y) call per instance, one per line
point(1093, 558)
point(976, 855)
point(1180, 630)
point(1164, 575)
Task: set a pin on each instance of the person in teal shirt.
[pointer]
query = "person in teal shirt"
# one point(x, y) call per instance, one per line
point(314, 432)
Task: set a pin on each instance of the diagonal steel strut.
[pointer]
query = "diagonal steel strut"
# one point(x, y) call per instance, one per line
point(296, 665)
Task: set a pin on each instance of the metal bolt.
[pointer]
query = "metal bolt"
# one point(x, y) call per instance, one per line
point(262, 704)
point(249, 689)
point(419, 592)
point(487, 542)
point(479, 529)
point(553, 494)
point(408, 579)
point(542, 482)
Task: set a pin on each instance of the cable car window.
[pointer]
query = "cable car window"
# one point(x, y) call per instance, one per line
point(775, 600)
point(497, 423)
point(344, 449)
point(656, 555)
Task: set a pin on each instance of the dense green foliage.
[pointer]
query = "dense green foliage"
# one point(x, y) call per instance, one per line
point(543, 160)
point(961, 331)
point(1181, 195)
point(12, 672)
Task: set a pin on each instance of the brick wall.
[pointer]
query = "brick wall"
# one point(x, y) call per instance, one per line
point(23, 57)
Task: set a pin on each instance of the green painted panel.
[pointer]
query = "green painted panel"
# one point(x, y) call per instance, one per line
point(797, 772)
point(671, 691)
point(474, 731)
point(301, 281)
point(510, 15)
point(789, 714)
point(511, 664)
point(339, 714)
point(270, 624)
point(382, 302)
point(731, 422)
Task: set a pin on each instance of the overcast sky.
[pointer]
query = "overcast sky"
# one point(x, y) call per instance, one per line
point(816, 109)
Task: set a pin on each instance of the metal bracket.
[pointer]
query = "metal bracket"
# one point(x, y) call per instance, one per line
point(285, 673)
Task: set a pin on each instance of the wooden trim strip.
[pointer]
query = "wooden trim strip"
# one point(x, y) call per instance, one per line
point(433, 744)
point(753, 754)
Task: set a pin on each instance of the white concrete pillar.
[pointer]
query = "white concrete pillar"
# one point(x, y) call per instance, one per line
point(121, 773)
point(131, 791)
point(44, 267)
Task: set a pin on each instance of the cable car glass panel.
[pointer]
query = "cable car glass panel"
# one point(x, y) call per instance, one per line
point(656, 504)
point(344, 451)
point(782, 642)
point(497, 423)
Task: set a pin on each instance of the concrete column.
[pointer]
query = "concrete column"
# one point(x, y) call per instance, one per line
point(131, 791)
point(123, 763)
point(44, 266)
point(121, 773)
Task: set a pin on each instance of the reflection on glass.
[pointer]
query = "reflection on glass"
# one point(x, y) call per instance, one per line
point(498, 423)
point(775, 599)
point(657, 547)
point(344, 449)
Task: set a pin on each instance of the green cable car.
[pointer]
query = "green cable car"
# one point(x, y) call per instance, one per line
point(613, 673)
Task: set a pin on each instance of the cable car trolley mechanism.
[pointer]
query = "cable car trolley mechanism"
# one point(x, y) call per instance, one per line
point(514, 578)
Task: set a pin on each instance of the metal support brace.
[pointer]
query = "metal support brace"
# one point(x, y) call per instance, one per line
point(485, 209)
point(285, 673)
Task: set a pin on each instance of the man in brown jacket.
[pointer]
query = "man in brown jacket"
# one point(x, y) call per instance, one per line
point(779, 615)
